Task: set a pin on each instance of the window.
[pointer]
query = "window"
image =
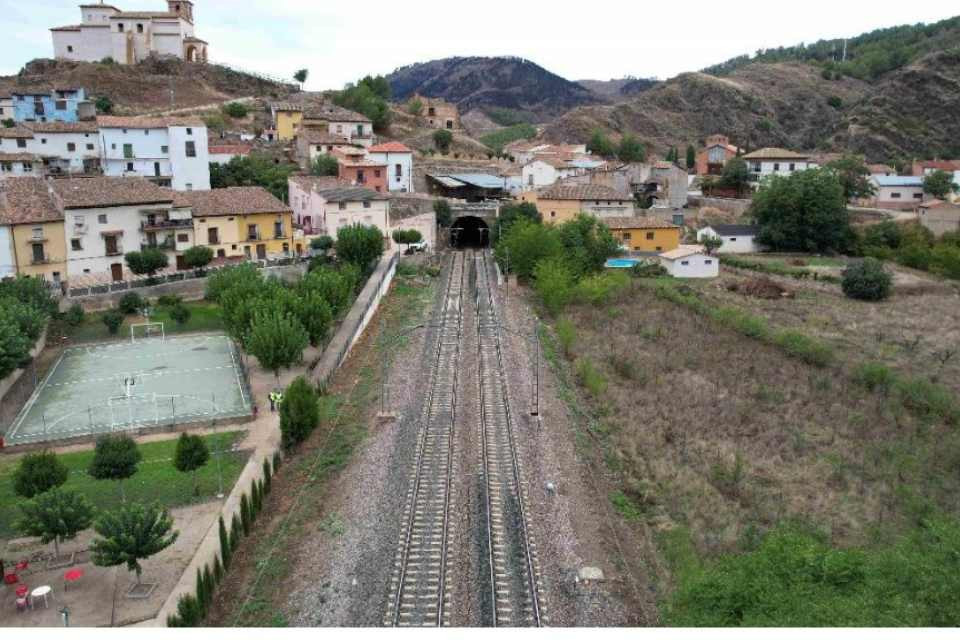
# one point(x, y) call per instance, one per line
point(182, 237)
point(113, 146)
point(71, 146)
point(60, 105)
point(343, 206)
point(102, 218)
point(37, 233)
point(659, 249)
point(627, 237)
point(252, 232)
point(776, 166)
point(21, 143)
point(708, 262)
point(130, 166)
point(189, 131)
point(756, 167)
point(685, 263)
point(120, 27)
point(366, 204)
point(733, 239)
point(650, 235)
point(43, 141)
point(189, 186)
point(28, 167)
point(146, 132)
point(361, 178)
point(793, 167)
point(38, 256)
point(6, 166)
point(376, 173)
point(164, 149)
point(895, 196)
point(69, 48)
point(191, 149)
point(75, 244)
point(553, 214)
point(89, 146)
point(128, 151)
point(213, 235)
point(139, 28)
point(918, 196)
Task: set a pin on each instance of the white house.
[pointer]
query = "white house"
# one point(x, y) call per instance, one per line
point(224, 153)
point(897, 192)
point(104, 219)
point(66, 147)
point(781, 162)
point(8, 263)
point(15, 165)
point(312, 144)
point(690, 261)
point(399, 161)
point(171, 152)
point(128, 37)
point(737, 238)
point(322, 206)
point(338, 121)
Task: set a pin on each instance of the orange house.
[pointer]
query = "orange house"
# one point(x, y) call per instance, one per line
point(363, 173)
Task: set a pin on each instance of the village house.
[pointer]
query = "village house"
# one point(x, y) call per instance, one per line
point(881, 170)
point(939, 217)
point(313, 144)
point(714, 157)
point(6, 108)
point(247, 222)
point(644, 234)
point(172, 152)
point(546, 170)
point(364, 173)
point(14, 165)
point(561, 203)
point(398, 159)
point(224, 153)
point(31, 231)
point(66, 147)
point(128, 37)
point(772, 161)
point(323, 205)
point(897, 192)
point(51, 105)
point(929, 167)
point(338, 121)
point(690, 261)
point(287, 120)
point(438, 113)
point(736, 238)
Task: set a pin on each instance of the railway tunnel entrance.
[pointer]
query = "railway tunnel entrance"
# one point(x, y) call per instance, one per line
point(469, 232)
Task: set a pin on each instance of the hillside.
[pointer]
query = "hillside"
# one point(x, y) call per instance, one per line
point(492, 84)
point(146, 87)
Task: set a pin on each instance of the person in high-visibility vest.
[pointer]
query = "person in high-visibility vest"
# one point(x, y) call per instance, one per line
point(273, 401)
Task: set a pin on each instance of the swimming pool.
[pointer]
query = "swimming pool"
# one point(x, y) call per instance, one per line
point(622, 263)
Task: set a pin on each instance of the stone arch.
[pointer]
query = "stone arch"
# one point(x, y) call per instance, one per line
point(203, 53)
point(191, 53)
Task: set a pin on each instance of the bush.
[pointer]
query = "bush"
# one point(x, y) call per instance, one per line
point(566, 335)
point(590, 379)
point(929, 400)
point(601, 289)
point(648, 270)
point(74, 315)
point(197, 257)
point(442, 140)
point(874, 376)
point(113, 319)
point(169, 301)
point(867, 280)
point(525, 244)
point(359, 245)
point(37, 473)
point(236, 109)
point(742, 322)
point(131, 303)
point(801, 346)
point(299, 413)
point(322, 243)
point(180, 314)
point(554, 284)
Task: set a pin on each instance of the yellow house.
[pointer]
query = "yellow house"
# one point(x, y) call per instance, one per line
point(288, 120)
point(561, 203)
point(247, 222)
point(35, 229)
point(648, 235)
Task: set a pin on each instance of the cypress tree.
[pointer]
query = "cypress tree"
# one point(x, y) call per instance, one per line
point(266, 476)
point(245, 518)
point(217, 571)
point(224, 544)
point(254, 500)
point(209, 584)
point(201, 594)
point(235, 528)
point(276, 461)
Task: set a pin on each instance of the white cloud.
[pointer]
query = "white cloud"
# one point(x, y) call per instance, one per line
point(340, 42)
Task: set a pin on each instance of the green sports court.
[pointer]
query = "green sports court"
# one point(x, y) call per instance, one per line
point(137, 384)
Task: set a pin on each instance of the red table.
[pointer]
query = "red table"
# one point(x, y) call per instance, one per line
point(73, 575)
point(22, 590)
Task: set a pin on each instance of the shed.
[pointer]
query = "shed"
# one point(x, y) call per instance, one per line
point(737, 238)
point(690, 261)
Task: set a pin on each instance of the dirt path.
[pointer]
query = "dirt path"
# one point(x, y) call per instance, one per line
point(202, 107)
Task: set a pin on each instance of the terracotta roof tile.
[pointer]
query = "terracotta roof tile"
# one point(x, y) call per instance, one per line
point(15, 132)
point(351, 194)
point(773, 153)
point(584, 192)
point(313, 136)
point(27, 200)
point(62, 127)
point(232, 201)
point(317, 183)
point(389, 147)
point(640, 222)
point(234, 149)
point(92, 193)
point(144, 122)
point(19, 157)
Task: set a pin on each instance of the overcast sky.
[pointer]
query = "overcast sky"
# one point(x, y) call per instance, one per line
point(342, 41)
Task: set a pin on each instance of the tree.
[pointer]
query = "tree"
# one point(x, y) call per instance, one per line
point(226, 552)
point(415, 107)
point(254, 170)
point(940, 184)
point(370, 96)
point(691, 156)
point(215, 123)
point(277, 339)
point(322, 243)
point(147, 262)
point(854, 176)
point(587, 244)
point(132, 533)
point(510, 213)
point(359, 245)
point(14, 345)
point(55, 516)
point(115, 458)
point(806, 211)
point(442, 140)
point(553, 283)
point(37, 473)
point(180, 314)
point(131, 303)
point(867, 280)
point(315, 314)
point(407, 236)
point(104, 105)
point(444, 213)
point(601, 145)
point(736, 175)
point(8, 123)
point(190, 456)
point(236, 109)
point(197, 257)
point(631, 150)
point(711, 243)
point(299, 413)
point(301, 76)
point(325, 165)
point(525, 244)
point(113, 319)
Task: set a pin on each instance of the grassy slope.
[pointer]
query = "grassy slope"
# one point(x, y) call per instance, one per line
point(204, 317)
point(157, 479)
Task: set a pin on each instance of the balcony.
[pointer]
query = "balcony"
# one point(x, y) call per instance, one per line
point(254, 236)
point(167, 245)
point(164, 225)
point(35, 261)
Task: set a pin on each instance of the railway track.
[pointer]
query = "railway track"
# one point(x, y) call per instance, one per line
point(419, 586)
point(516, 592)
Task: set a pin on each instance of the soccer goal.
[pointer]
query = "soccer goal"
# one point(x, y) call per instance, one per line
point(147, 331)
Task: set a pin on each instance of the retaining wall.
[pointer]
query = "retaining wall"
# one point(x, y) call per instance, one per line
point(730, 205)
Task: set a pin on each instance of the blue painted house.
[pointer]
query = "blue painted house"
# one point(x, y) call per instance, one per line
point(57, 105)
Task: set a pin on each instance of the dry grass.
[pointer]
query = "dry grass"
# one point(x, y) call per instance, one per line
point(721, 433)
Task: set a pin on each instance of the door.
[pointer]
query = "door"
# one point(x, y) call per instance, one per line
point(111, 245)
point(261, 252)
point(116, 271)
point(181, 263)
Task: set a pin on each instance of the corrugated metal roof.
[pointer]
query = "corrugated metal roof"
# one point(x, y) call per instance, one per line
point(482, 180)
point(898, 181)
point(449, 182)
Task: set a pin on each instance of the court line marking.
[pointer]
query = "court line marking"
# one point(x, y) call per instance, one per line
point(236, 370)
point(27, 408)
point(139, 374)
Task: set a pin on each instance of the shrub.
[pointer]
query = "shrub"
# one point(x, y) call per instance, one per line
point(874, 376)
point(236, 530)
point(38, 473)
point(590, 379)
point(648, 270)
point(929, 400)
point(226, 552)
point(299, 413)
point(566, 335)
point(113, 319)
point(442, 140)
point(624, 366)
point(359, 245)
point(322, 243)
point(867, 280)
point(742, 322)
point(836, 102)
point(131, 303)
point(74, 315)
point(169, 301)
point(801, 346)
point(246, 515)
point(197, 257)
point(267, 480)
point(601, 289)
point(236, 109)
point(554, 284)
point(180, 314)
